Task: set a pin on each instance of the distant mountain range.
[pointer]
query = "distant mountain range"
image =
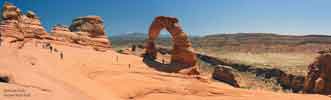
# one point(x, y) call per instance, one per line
point(135, 38)
point(266, 38)
point(264, 42)
point(136, 35)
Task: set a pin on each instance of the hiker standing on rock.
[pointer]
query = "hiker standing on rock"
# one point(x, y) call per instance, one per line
point(0, 40)
point(51, 48)
point(61, 55)
point(55, 50)
point(133, 47)
point(163, 61)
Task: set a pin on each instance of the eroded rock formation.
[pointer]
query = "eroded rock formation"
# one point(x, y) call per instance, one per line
point(32, 26)
point(182, 52)
point(10, 12)
point(90, 24)
point(15, 24)
point(225, 74)
point(9, 26)
point(88, 30)
point(318, 79)
point(62, 33)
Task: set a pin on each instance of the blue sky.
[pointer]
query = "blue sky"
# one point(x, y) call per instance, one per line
point(198, 17)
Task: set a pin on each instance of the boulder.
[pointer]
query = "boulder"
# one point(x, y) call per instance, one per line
point(90, 24)
point(10, 12)
point(182, 52)
point(225, 74)
point(318, 79)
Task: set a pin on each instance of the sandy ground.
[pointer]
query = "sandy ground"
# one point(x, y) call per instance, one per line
point(84, 74)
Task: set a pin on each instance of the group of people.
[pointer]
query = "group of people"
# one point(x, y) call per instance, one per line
point(45, 46)
point(51, 49)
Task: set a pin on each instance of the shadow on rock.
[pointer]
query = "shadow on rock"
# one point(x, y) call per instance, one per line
point(169, 68)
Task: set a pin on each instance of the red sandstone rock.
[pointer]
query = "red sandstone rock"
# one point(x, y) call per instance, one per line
point(9, 28)
point(182, 52)
point(62, 33)
point(82, 37)
point(88, 30)
point(319, 75)
point(32, 26)
point(90, 24)
point(19, 26)
point(10, 12)
point(224, 74)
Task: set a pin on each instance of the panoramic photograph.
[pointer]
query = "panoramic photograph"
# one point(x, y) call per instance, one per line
point(165, 50)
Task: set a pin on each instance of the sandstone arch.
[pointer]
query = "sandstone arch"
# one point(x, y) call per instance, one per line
point(182, 52)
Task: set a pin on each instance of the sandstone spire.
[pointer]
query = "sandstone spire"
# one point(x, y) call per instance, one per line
point(15, 24)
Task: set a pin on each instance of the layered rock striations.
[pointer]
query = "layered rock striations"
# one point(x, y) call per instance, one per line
point(32, 26)
point(62, 33)
point(88, 30)
point(9, 26)
point(90, 24)
point(15, 24)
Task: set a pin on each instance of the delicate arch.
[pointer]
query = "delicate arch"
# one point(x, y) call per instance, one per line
point(182, 52)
